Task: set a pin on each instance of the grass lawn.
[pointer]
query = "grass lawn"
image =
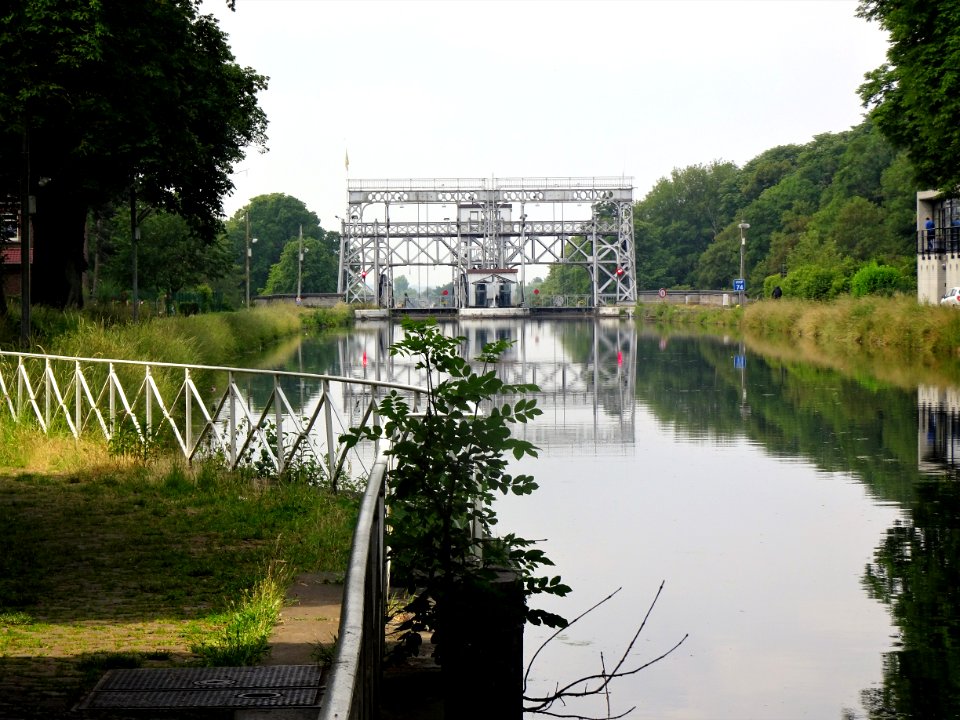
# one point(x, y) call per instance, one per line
point(107, 563)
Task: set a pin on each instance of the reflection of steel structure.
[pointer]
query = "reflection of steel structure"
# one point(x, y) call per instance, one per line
point(587, 392)
point(938, 430)
point(487, 223)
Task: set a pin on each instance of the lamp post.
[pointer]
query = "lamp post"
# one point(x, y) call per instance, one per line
point(250, 242)
point(300, 266)
point(743, 245)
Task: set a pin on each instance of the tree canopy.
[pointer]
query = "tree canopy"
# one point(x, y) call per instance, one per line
point(276, 220)
point(915, 97)
point(141, 97)
point(828, 207)
point(317, 271)
point(170, 256)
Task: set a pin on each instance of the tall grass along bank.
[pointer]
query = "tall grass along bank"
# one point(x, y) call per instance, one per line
point(707, 316)
point(207, 339)
point(898, 327)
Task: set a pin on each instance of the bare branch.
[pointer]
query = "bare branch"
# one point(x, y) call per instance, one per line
point(542, 705)
point(584, 717)
point(606, 690)
point(560, 630)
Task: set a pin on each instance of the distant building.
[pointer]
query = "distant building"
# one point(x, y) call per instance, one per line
point(938, 245)
point(10, 247)
point(492, 287)
point(10, 259)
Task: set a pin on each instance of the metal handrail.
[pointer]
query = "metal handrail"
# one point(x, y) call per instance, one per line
point(62, 386)
point(353, 687)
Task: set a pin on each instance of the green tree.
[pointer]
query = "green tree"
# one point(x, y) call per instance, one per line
point(679, 218)
point(318, 272)
point(273, 220)
point(170, 256)
point(766, 170)
point(142, 96)
point(915, 98)
point(898, 188)
point(567, 280)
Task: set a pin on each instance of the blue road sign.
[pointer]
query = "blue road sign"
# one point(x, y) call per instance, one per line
point(739, 284)
point(739, 361)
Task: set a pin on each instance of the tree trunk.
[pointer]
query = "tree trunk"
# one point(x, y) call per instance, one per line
point(58, 260)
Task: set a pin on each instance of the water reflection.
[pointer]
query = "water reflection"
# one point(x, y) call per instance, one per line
point(585, 372)
point(807, 521)
point(938, 438)
point(916, 575)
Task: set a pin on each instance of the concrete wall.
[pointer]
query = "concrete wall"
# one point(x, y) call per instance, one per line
point(931, 278)
point(690, 297)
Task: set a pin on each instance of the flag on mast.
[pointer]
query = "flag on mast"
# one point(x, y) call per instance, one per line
point(346, 160)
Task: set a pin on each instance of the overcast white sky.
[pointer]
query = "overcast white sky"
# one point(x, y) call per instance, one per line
point(558, 88)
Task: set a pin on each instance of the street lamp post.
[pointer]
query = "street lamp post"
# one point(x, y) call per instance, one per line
point(250, 242)
point(743, 245)
point(300, 266)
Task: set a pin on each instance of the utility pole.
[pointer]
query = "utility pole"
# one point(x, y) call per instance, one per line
point(300, 266)
point(743, 246)
point(135, 241)
point(250, 241)
point(27, 202)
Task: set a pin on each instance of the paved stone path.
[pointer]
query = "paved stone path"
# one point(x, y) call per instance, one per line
point(310, 617)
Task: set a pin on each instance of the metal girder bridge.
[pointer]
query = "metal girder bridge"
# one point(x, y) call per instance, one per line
point(493, 223)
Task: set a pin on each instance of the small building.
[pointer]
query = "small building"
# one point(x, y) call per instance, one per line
point(938, 245)
point(10, 268)
point(492, 287)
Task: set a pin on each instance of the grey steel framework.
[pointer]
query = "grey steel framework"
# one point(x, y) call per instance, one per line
point(488, 223)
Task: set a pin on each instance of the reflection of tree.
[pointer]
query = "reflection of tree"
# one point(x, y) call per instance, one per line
point(838, 423)
point(916, 573)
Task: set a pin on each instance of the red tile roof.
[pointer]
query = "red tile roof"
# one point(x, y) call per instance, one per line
point(10, 254)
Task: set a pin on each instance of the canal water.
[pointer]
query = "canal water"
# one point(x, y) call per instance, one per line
point(804, 524)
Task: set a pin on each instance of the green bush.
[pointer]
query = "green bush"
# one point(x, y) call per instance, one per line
point(812, 282)
point(770, 282)
point(874, 279)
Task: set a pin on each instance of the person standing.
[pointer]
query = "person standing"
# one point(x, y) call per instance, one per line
point(931, 231)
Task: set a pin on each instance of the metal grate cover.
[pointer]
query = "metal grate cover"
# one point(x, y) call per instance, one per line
point(243, 687)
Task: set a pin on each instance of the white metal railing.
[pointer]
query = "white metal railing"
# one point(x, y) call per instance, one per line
point(151, 399)
point(353, 687)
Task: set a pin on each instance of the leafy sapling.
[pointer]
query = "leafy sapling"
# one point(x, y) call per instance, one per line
point(449, 463)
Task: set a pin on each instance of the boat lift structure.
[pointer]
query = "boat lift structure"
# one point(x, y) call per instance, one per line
point(497, 225)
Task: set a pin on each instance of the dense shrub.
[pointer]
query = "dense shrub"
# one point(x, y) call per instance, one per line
point(812, 282)
point(874, 279)
point(770, 282)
